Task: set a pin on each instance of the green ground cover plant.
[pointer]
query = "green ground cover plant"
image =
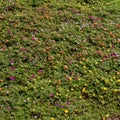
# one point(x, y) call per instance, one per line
point(59, 60)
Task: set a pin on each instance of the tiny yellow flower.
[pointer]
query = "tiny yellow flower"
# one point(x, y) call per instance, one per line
point(106, 81)
point(107, 115)
point(90, 71)
point(86, 84)
point(103, 102)
point(83, 58)
point(101, 96)
point(115, 90)
point(81, 62)
point(70, 78)
point(76, 110)
point(50, 81)
point(102, 78)
point(80, 97)
point(94, 94)
point(66, 111)
point(52, 118)
point(84, 67)
point(118, 73)
point(72, 89)
point(118, 81)
point(104, 118)
point(114, 77)
point(104, 88)
point(84, 90)
point(42, 88)
point(96, 63)
point(34, 79)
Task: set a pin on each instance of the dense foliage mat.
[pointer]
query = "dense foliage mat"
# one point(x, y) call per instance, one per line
point(59, 60)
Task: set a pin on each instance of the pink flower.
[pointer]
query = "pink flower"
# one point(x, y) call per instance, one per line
point(68, 103)
point(70, 61)
point(71, 73)
point(22, 49)
point(114, 55)
point(96, 19)
point(99, 53)
point(33, 76)
point(113, 46)
point(76, 77)
point(62, 106)
point(33, 38)
point(12, 68)
point(91, 17)
point(67, 78)
point(50, 95)
point(12, 78)
point(9, 32)
point(56, 104)
point(8, 108)
point(11, 22)
point(106, 56)
point(40, 71)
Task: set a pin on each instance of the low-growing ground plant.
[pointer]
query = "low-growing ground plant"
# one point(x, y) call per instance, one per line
point(59, 60)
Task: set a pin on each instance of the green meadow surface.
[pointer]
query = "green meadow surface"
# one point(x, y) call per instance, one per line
point(59, 59)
